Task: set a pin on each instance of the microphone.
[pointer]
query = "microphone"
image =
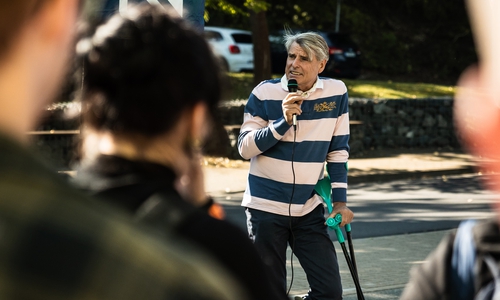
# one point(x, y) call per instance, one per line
point(292, 88)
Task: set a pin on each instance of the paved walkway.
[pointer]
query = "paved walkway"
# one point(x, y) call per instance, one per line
point(383, 262)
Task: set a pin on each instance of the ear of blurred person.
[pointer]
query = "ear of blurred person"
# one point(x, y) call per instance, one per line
point(191, 184)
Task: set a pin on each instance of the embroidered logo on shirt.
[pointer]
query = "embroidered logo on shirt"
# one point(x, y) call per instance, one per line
point(325, 106)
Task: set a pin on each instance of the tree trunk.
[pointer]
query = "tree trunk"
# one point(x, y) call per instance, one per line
point(261, 47)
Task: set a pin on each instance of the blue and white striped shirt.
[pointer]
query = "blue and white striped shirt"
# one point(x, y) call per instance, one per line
point(267, 140)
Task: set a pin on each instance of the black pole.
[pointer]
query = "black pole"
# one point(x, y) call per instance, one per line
point(354, 274)
point(351, 251)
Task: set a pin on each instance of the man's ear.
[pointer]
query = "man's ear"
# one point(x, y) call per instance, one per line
point(322, 65)
point(477, 119)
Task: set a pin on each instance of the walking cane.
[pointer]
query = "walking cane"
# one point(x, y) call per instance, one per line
point(324, 190)
point(351, 247)
point(334, 224)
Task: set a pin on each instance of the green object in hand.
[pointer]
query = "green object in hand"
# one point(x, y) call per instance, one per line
point(324, 189)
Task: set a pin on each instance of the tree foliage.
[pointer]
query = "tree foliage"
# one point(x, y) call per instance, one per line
point(422, 39)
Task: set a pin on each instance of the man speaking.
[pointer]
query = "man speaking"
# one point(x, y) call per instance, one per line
point(291, 127)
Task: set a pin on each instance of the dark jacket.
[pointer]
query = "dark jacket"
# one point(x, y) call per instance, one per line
point(437, 277)
point(147, 190)
point(56, 243)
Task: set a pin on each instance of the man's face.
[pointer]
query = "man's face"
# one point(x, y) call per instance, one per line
point(302, 68)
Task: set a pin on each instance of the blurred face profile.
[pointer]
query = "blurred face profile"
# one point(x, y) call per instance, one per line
point(477, 101)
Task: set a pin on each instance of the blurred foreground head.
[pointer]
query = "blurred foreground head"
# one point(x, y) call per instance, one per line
point(56, 243)
point(36, 38)
point(143, 69)
point(477, 102)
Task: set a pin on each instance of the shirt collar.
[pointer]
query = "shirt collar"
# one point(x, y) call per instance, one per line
point(317, 85)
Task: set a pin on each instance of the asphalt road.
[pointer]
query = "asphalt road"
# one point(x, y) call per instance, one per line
point(403, 206)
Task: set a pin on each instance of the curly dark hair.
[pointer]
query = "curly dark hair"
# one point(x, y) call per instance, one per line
point(143, 68)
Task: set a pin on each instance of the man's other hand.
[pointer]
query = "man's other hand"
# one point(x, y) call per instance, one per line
point(342, 209)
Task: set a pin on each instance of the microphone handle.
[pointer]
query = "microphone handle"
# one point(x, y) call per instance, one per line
point(294, 119)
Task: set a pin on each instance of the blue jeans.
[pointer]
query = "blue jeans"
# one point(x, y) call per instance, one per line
point(308, 237)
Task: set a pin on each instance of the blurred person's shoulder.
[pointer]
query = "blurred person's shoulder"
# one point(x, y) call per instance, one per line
point(58, 244)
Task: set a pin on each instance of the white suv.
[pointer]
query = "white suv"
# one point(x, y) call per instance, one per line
point(233, 46)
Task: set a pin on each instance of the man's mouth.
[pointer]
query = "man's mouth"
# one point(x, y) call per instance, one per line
point(294, 73)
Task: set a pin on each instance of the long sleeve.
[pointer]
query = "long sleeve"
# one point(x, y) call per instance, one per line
point(338, 153)
point(257, 133)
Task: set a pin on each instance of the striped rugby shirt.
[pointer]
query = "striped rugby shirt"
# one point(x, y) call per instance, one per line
point(267, 140)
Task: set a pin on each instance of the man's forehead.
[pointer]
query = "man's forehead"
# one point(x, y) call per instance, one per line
point(297, 50)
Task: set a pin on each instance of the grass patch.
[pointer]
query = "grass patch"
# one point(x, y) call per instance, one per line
point(242, 85)
point(396, 90)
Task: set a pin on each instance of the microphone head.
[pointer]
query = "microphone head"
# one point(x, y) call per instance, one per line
point(292, 85)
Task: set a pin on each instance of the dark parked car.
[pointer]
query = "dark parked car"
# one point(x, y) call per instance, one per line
point(344, 61)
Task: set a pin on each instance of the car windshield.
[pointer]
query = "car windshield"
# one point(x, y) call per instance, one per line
point(242, 38)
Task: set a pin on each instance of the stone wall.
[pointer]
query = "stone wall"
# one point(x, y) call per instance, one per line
point(402, 123)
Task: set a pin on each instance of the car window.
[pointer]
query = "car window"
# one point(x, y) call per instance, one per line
point(213, 35)
point(242, 38)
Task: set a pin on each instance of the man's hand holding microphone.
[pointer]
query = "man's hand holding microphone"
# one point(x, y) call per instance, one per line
point(291, 103)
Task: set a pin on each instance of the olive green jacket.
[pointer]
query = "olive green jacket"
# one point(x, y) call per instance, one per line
point(57, 244)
